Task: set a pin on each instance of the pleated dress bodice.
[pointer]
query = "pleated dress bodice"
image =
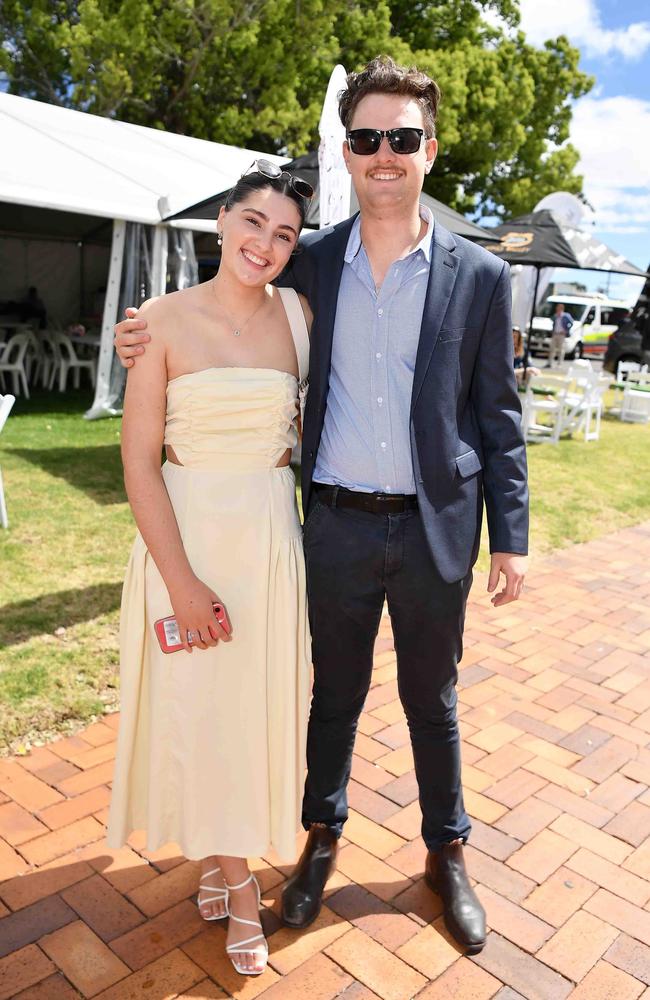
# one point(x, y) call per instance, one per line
point(244, 418)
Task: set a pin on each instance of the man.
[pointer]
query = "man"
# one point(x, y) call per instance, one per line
point(562, 323)
point(412, 416)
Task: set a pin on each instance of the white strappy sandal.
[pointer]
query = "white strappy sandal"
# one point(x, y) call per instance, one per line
point(261, 950)
point(219, 895)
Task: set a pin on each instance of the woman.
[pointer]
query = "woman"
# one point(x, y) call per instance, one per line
point(211, 745)
point(518, 345)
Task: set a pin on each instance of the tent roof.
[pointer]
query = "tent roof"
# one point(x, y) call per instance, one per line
point(540, 238)
point(67, 160)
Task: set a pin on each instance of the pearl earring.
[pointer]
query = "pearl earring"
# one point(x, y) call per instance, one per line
point(219, 239)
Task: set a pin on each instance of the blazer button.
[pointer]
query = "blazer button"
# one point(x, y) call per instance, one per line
point(311, 454)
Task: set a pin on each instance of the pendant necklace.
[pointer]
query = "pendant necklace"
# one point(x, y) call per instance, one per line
point(237, 330)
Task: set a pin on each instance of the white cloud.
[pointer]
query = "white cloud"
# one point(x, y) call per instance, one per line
point(580, 21)
point(612, 136)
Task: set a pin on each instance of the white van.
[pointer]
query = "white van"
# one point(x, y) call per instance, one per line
point(595, 318)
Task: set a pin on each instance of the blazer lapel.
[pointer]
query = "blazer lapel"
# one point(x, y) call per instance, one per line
point(331, 251)
point(442, 278)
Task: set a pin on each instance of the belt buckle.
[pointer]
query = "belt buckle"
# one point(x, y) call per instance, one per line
point(383, 498)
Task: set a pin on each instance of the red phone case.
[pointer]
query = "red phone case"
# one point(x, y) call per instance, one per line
point(169, 637)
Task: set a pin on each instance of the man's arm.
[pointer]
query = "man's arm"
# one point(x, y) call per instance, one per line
point(498, 412)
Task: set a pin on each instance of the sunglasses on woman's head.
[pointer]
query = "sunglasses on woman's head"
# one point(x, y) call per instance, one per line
point(366, 141)
point(271, 170)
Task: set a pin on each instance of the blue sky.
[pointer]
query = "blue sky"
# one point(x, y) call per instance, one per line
point(611, 125)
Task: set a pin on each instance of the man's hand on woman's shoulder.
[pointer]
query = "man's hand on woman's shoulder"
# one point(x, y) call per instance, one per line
point(130, 335)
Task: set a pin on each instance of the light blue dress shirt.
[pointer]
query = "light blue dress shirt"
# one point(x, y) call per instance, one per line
point(365, 444)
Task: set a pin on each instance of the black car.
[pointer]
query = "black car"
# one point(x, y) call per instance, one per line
point(626, 344)
point(631, 342)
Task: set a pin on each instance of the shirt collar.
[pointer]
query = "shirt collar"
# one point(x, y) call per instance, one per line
point(354, 240)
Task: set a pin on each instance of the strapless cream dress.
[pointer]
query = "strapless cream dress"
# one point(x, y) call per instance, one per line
point(211, 749)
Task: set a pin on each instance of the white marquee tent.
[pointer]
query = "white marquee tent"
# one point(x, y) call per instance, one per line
point(81, 195)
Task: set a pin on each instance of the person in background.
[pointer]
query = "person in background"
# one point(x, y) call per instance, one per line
point(32, 307)
point(522, 371)
point(562, 323)
point(518, 345)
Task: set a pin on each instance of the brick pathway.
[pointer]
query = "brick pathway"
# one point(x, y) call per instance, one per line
point(555, 718)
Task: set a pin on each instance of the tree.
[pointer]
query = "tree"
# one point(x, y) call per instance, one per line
point(254, 72)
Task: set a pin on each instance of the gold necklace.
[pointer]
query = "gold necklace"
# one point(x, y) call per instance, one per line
point(237, 328)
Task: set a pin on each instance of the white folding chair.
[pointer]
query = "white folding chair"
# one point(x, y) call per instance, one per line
point(625, 367)
point(636, 397)
point(12, 361)
point(545, 397)
point(6, 402)
point(70, 362)
point(592, 408)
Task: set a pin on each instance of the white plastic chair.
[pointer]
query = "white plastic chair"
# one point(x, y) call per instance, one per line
point(48, 361)
point(6, 402)
point(68, 361)
point(12, 361)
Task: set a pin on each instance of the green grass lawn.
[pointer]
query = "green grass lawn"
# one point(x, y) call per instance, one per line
point(63, 557)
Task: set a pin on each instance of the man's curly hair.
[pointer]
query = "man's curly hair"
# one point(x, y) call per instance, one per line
point(383, 76)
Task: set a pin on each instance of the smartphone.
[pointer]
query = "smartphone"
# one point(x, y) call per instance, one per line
point(169, 637)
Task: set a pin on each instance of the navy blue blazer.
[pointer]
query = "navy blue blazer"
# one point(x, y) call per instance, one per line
point(466, 439)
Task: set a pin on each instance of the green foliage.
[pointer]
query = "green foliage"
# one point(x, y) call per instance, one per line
point(253, 73)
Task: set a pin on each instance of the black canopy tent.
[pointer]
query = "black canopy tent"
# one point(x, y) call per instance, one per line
point(541, 240)
point(306, 167)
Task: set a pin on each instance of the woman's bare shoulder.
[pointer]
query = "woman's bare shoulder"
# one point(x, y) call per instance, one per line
point(163, 312)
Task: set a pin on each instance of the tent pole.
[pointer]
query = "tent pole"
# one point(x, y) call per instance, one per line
point(532, 316)
point(111, 303)
point(159, 261)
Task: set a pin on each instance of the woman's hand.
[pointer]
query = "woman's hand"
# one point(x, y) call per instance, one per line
point(192, 603)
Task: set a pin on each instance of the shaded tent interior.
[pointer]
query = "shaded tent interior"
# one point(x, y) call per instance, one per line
point(306, 167)
point(64, 254)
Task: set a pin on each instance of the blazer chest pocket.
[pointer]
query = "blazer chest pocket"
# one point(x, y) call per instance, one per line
point(468, 463)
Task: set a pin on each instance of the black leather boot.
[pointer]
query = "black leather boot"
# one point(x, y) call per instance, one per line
point(303, 894)
point(446, 875)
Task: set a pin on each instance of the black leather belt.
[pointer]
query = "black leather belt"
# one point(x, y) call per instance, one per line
point(375, 503)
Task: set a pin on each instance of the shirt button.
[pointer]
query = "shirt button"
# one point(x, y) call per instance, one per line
point(380, 399)
point(378, 356)
point(388, 488)
point(383, 444)
point(380, 312)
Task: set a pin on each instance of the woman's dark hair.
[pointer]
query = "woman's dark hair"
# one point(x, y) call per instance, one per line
point(383, 76)
point(255, 181)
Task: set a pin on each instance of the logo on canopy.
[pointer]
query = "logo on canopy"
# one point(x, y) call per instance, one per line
point(513, 243)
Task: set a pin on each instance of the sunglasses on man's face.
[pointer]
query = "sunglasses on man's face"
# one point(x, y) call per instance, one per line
point(366, 141)
point(271, 170)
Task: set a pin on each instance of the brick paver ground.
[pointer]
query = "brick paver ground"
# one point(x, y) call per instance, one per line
point(555, 719)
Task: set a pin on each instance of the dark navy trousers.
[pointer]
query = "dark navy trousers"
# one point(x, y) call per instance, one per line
point(356, 560)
